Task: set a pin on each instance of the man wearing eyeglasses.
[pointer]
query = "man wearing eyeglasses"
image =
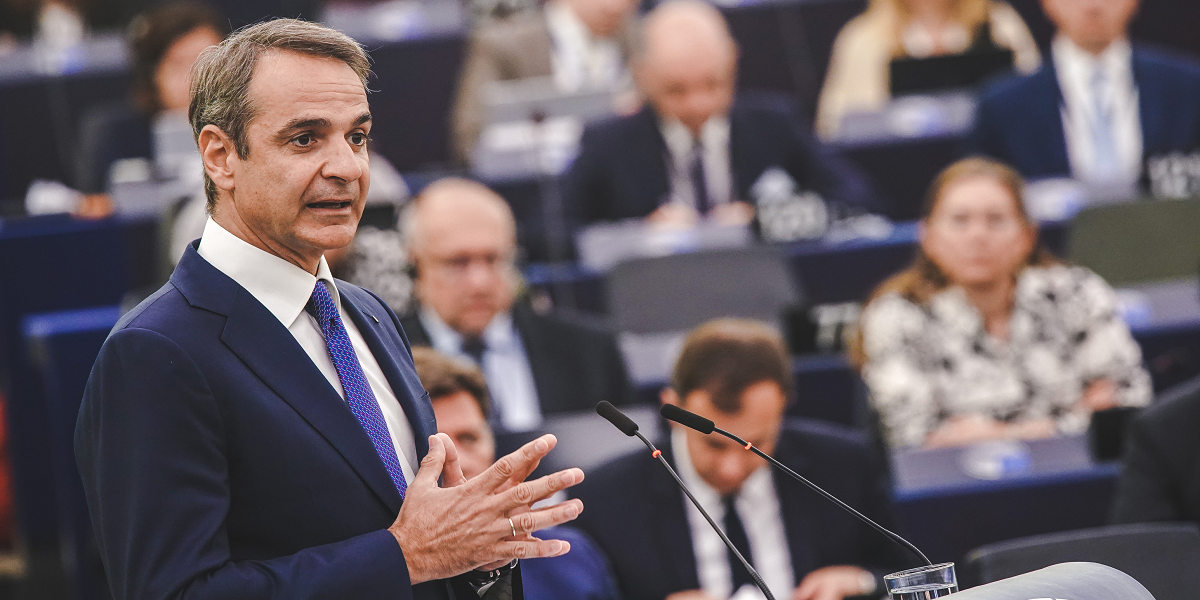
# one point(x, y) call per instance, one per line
point(462, 243)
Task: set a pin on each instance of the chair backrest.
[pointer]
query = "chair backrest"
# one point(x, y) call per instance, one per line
point(1161, 556)
point(677, 292)
point(1138, 242)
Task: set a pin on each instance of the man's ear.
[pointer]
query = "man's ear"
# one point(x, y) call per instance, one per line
point(218, 155)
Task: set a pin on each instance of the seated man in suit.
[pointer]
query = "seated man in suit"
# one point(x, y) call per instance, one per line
point(582, 44)
point(737, 373)
point(1098, 109)
point(462, 244)
point(460, 404)
point(694, 150)
point(1162, 461)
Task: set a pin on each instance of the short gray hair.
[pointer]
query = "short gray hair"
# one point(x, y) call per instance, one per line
point(221, 75)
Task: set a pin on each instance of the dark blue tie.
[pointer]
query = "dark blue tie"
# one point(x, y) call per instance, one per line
point(736, 532)
point(699, 179)
point(358, 392)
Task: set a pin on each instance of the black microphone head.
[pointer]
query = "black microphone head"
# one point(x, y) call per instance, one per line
point(616, 417)
point(687, 418)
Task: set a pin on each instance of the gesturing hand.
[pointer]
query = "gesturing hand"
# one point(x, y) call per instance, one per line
point(446, 531)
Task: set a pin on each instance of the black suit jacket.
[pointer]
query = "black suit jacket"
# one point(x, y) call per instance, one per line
point(635, 512)
point(574, 364)
point(1019, 120)
point(621, 171)
point(1160, 475)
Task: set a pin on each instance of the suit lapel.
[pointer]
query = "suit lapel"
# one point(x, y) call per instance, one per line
point(1151, 107)
point(1046, 117)
point(377, 328)
point(648, 161)
point(672, 534)
point(270, 351)
point(542, 363)
point(795, 502)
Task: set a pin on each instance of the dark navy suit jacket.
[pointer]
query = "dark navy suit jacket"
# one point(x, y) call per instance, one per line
point(635, 511)
point(1019, 120)
point(621, 171)
point(218, 462)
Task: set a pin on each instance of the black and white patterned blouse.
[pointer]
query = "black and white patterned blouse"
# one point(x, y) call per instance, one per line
point(928, 363)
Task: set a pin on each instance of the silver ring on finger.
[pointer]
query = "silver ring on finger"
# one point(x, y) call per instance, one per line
point(512, 527)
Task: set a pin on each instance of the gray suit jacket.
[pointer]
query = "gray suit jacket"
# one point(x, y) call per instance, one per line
point(518, 48)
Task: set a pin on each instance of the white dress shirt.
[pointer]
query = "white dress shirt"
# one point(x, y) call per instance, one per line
point(718, 174)
point(284, 289)
point(1075, 68)
point(758, 506)
point(579, 60)
point(505, 367)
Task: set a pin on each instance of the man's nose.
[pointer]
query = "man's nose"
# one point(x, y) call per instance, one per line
point(343, 162)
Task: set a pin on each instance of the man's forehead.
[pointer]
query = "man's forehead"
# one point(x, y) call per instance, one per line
point(306, 86)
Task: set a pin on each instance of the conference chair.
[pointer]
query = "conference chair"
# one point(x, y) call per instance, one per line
point(654, 301)
point(1161, 556)
point(62, 347)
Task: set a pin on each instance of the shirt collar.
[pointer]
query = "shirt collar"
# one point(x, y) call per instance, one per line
point(498, 335)
point(565, 26)
point(1075, 65)
point(282, 287)
point(713, 134)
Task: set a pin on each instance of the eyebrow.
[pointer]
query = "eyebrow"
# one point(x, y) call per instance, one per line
point(316, 123)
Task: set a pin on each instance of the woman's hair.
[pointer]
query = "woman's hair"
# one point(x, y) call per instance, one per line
point(923, 278)
point(968, 13)
point(150, 36)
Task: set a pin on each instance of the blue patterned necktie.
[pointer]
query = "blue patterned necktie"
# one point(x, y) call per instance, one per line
point(358, 392)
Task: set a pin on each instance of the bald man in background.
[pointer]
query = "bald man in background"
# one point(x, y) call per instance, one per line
point(462, 244)
point(694, 150)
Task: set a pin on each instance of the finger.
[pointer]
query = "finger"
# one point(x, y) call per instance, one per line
point(526, 493)
point(452, 474)
point(517, 465)
point(431, 465)
point(525, 550)
point(537, 520)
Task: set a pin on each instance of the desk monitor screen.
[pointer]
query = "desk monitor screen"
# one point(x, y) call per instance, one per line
point(949, 72)
point(539, 98)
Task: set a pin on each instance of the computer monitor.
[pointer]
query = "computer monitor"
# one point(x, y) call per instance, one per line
point(948, 72)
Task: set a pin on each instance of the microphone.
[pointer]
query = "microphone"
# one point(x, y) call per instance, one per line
point(629, 428)
point(692, 420)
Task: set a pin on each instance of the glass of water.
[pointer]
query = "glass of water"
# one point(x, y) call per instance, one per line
point(922, 583)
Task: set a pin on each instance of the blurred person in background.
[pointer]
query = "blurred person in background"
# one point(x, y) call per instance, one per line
point(1098, 109)
point(582, 44)
point(163, 44)
point(858, 80)
point(737, 373)
point(986, 336)
point(461, 406)
point(694, 151)
point(461, 240)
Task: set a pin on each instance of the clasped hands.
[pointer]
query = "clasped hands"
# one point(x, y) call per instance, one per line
point(448, 529)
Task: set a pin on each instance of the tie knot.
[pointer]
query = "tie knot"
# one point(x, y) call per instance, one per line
point(474, 347)
point(320, 303)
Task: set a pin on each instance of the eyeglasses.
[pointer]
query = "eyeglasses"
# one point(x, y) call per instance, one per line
point(457, 267)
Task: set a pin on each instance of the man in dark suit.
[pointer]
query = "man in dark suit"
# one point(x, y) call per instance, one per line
point(254, 428)
point(1098, 110)
point(738, 374)
point(462, 244)
point(693, 150)
point(1160, 471)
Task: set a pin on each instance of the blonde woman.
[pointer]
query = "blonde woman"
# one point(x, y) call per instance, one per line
point(857, 79)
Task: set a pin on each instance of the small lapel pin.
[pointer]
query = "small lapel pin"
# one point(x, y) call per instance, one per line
point(373, 318)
